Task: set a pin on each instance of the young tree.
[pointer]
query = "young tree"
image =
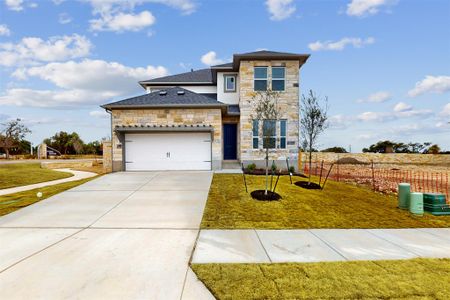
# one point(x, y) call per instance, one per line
point(12, 133)
point(265, 108)
point(313, 121)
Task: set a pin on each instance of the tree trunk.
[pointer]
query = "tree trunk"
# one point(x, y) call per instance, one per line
point(310, 161)
point(7, 153)
point(267, 171)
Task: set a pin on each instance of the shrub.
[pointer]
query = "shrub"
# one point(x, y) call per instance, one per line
point(251, 168)
point(273, 167)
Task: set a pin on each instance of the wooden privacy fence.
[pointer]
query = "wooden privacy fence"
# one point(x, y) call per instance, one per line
point(383, 179)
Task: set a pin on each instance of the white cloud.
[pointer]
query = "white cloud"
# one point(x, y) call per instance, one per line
point(211, 59)
point(31, 50)
point(371, 116)
point(431, 84)
point(402, 106)
point(100, 82)
point(33, 5)
point(4, 30)
point(445, 110)
point(361, 8)
point(64, 18)
point(280, 9)
point(339, 122)
point(58, 2)
point(123, 22)
point(119, 16)
point(101, 114)
point(341, 44)
point(377, 97)
point(16, 5)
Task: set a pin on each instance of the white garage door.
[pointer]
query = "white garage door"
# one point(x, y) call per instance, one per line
point(168, 151)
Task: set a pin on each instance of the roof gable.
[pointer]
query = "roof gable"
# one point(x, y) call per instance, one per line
point(199, 76)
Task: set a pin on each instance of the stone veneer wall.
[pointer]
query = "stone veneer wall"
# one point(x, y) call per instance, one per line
point(387, 158)
point(179, 116)
point(107, 157)
point(289, 105)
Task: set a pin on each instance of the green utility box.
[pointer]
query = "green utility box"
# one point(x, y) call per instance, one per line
point(435, 204)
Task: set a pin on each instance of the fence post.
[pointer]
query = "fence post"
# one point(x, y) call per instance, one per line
point(373, 177)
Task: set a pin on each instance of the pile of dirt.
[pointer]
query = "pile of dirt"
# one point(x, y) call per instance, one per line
point(350, 161)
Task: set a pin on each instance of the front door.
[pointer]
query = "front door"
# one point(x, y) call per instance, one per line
point(230, 141)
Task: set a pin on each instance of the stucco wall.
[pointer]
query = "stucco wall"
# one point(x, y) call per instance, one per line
point(127, 117)
point(227, 97)
point(387, 158)
point(289, 105)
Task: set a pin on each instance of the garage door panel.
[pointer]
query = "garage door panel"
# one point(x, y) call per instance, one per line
point(168, 151)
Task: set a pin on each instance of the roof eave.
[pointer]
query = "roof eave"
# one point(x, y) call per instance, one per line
point(301, 58)
point(111, 107)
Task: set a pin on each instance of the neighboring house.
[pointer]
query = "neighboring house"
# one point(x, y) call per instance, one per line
point(200, 119)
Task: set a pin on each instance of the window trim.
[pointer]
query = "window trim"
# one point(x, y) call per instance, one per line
point(260, 79)
point(225, 76)
point(279, 79)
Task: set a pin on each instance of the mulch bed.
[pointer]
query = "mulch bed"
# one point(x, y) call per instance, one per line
point(261, 196)
point(306, 185)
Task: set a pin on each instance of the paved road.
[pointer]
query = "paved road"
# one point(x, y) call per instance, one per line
point(315, 245)
point(121, 236)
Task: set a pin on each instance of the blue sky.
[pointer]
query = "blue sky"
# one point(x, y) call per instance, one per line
point(384, 64)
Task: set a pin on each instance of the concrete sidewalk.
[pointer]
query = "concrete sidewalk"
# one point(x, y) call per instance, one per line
point(316, 245)
point(77, 175)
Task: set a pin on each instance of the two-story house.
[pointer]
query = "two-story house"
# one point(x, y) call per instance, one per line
point(200, 119)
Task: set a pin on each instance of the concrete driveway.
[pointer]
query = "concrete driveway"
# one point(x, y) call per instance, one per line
point(121, 236)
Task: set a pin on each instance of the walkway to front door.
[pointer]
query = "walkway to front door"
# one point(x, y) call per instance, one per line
point(230, 141)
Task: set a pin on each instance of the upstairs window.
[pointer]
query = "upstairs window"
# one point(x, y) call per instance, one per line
point(269, 134)
point(278, 78)
point(230, 83)
point(260, 79)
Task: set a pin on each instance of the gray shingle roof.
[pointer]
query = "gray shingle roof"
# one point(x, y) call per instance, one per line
point(174, 97)
point(198, 76)
point(227, 65)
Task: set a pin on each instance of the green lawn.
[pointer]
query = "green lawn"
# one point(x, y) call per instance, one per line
point(12, 175)
point(339, 205)
point(12, 202)
point(395, 279)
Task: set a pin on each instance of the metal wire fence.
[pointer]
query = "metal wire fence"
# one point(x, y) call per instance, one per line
point(382, 178)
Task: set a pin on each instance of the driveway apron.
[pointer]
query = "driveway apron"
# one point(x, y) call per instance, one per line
point(125, 235)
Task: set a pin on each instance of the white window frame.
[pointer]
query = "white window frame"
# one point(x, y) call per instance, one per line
point(260, 79)
point(274, 137)
point(225, 86)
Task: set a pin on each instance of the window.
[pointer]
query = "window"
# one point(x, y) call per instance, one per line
point(278, 78)
point(283, 134)
point(255, 134)
point(269, 134)
point(260, 79)
point(230, 83)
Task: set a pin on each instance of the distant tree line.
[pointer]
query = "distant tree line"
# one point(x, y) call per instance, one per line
point(13, 142)
point(71, 143)
point(394, 147)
